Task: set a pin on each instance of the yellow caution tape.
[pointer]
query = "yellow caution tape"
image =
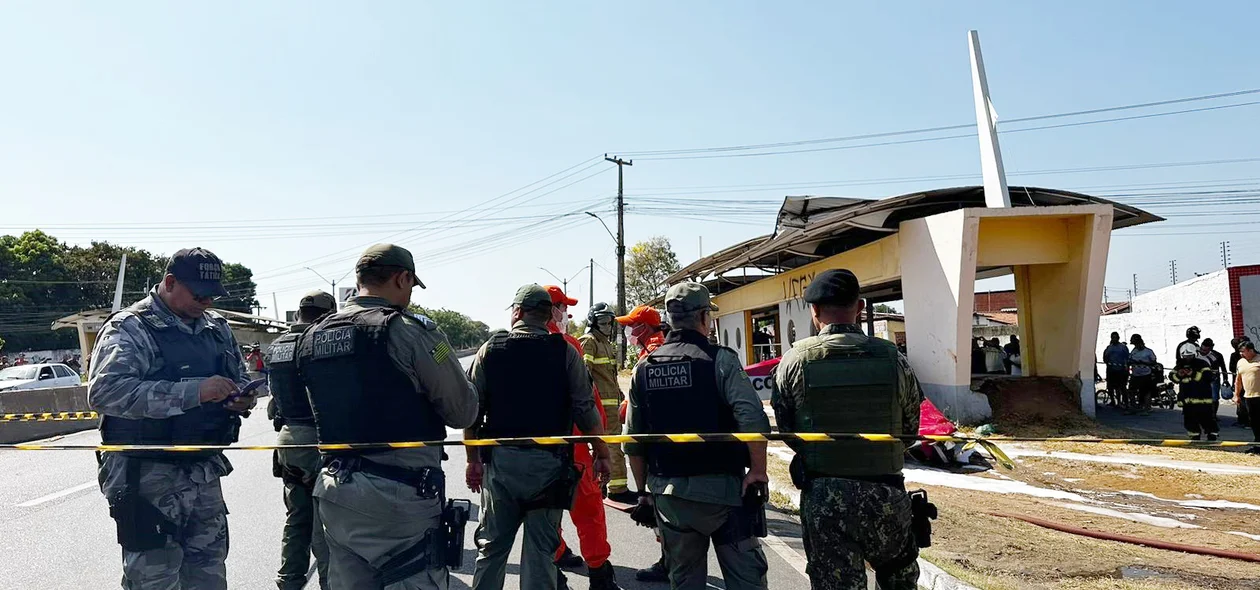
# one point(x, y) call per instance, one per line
point(48, 417)
point(988, 444)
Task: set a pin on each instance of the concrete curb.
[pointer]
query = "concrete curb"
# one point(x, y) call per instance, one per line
point(935, 578)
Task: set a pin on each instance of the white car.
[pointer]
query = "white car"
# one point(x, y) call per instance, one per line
point(38, 376)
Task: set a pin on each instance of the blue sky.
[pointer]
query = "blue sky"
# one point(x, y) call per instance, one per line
point(231, 125)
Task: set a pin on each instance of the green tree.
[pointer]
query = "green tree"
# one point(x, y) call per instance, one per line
point(42, 279)
point(647, 267)
point(882, 308)
point(461, 330)
point(239, 281)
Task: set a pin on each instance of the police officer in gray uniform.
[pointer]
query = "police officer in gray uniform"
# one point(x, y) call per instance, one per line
point(532, 384)
point(691, 385)
point(290, 411)
point(376, 374)
point(167, 371)
point(854, 505)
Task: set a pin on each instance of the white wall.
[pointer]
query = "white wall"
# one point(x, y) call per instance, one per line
point(797, 311)
point(1249, 301)
point(1162, 316)
point(727, 326)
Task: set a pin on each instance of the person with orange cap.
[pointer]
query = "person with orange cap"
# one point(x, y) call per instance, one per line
point(587, 512)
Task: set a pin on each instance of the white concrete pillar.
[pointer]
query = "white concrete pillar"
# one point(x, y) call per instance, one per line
point(938, 275)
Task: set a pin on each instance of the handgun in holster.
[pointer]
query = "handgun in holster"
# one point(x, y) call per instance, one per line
point(748, 520)
point(141, 526)
point(922, 514)
point(455, 516)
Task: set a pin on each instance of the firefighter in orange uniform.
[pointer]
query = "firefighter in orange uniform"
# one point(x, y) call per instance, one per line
point(587, 512)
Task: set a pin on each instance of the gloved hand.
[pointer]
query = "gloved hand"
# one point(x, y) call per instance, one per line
point(644, 514)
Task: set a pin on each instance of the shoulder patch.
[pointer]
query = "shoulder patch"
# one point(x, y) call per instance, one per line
point(424, 320)
point(669, 375)
point(333, 343)
point(441, 352)
point(281, 352)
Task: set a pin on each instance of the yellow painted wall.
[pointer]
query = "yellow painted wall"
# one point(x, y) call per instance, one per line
point(1005, 241)
point(873, 263)
point(1052, 305)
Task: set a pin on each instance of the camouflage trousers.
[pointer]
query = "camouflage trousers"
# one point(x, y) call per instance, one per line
point(846, 524)
point(189, 496)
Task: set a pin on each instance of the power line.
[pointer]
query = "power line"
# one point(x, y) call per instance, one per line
point(656, 154)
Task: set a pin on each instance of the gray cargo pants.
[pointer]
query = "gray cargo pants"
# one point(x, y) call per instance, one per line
point(516, 475)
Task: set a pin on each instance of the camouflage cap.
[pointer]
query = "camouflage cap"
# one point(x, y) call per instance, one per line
point(318, 299)
point(685, 297)
point(532, 296)
point(389, 255)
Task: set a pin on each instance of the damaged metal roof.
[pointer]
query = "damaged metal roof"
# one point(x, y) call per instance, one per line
point(812, 228)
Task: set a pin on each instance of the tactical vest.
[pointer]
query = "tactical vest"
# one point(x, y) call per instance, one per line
point(851, 388)
point(357, 394)
point(181, 356)
point(527, 386)
point(678, 393)
point(287, 390)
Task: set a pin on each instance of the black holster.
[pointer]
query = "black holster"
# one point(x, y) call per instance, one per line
point(141, 526)
point(455, 517)
point(922, 514)
point(288, 474)
point(746, 521)
point(559, 495)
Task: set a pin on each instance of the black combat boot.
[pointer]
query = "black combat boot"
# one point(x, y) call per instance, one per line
point(570, 560)
point(603, 577)
point(657, 573)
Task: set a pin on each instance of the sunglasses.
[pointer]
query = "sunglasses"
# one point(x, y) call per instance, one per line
point(204, 300)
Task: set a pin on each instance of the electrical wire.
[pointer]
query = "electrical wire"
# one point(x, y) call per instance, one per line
point(937, 129)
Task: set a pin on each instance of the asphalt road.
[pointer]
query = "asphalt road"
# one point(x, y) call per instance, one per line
point(55, 530)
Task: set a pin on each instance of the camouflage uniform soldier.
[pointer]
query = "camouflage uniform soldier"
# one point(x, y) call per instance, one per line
point(854, 505)
point(166, 372)
point(290, 411)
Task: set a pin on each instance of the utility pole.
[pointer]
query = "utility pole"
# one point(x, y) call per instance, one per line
point(591, 301)
point(1225, 254)
point(118, 289)
point(276, 305)
point(1172, 264)
point(621, 250)
point(1135, 291)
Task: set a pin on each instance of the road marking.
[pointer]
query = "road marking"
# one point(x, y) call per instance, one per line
point(786, 552)
point(55, 495)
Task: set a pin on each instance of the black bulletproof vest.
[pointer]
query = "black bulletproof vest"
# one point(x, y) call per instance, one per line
point(292, 405)
point(182, 357)
point(527, 392)
point(357, 394)
point(678, 393)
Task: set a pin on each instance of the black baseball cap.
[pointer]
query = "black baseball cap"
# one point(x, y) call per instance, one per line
point(199, 270)
point(837, 286)
point(389, 255)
